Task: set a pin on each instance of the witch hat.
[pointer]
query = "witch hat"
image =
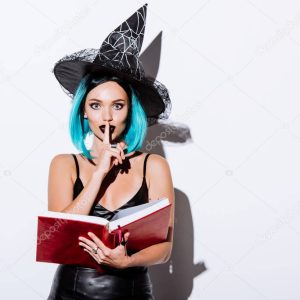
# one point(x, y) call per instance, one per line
point(118, 55)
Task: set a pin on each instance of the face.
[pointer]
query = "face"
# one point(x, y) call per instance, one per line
point(107, 101)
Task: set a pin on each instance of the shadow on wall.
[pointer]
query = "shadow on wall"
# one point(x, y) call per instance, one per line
point(174, 280)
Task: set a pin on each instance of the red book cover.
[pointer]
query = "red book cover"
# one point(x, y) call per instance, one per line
point(57, 233)
point(149, 230)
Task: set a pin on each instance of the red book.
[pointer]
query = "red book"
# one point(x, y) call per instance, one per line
point(57, 232)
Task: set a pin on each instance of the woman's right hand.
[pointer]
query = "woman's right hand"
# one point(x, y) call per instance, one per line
point(105, 156)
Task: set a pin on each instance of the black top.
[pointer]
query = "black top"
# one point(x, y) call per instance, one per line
point(140, 197)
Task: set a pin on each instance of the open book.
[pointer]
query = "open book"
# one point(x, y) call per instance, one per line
point(57, 232)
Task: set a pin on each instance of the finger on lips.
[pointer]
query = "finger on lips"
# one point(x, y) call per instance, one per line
point(107, 138)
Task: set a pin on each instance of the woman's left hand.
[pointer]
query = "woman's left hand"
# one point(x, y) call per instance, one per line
point(116, 257)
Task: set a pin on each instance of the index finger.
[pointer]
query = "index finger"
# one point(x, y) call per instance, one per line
point(106, 139)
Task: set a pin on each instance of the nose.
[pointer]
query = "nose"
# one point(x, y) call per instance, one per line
point(106, 114)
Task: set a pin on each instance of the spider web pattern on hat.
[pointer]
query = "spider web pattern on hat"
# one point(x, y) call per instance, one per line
point(119, 54)
point(90, 54)
point(122, 46)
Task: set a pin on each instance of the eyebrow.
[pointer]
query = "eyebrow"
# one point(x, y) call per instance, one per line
point(98, 100)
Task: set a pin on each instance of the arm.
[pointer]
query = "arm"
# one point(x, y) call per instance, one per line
point(161, 185)
point(60, 187)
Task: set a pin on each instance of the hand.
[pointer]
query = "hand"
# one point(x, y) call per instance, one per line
point(115, 258)
point(104, 152)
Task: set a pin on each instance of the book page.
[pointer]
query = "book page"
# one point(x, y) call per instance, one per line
point(131, 214)
point(129, 211)
point(75, 217)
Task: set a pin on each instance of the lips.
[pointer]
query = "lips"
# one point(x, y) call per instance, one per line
point(111, 128)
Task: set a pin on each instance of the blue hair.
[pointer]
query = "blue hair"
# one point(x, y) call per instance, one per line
point(136, 123)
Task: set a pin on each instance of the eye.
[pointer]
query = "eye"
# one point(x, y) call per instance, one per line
point(91, 105)
point(120, 106)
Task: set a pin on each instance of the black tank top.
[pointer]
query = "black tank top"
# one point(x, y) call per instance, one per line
point(140, 197)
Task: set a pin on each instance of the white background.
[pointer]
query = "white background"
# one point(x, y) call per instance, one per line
point(232, 68)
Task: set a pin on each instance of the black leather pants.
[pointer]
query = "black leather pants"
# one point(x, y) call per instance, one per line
point(75, 282)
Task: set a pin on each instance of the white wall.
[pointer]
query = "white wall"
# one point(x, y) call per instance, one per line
point(232, 68)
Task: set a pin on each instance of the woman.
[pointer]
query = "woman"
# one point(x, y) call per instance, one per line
point(113, 174)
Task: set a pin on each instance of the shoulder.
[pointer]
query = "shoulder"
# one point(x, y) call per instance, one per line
point(62, 162)
point(160, 178)
point(157, 164)
point(64, 158)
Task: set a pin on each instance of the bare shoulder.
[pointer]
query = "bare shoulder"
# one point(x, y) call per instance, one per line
point(62, 162)
point(64, 158)
point(157, 165)
point(156, 161)
point(60, 182)
point(160, 178)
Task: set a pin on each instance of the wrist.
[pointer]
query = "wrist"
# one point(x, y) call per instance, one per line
point(128, 262)
point(99, 175)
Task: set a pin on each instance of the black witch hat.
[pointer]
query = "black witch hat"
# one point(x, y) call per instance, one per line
point(119, 56)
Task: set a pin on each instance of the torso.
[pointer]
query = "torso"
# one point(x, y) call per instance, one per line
point(126, 190)
point(104, 206)
point(119, 191)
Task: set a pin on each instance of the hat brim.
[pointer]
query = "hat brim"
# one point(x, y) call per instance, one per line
point(153, 95)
